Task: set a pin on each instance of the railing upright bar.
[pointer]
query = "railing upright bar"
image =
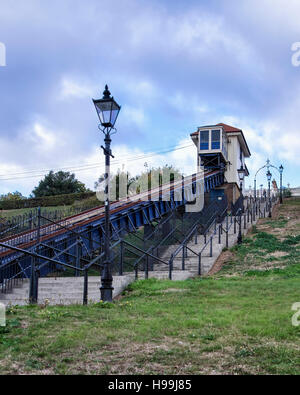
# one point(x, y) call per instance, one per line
point(147, 268)
point(121, 258)
point(199, 265)
point(85, 287)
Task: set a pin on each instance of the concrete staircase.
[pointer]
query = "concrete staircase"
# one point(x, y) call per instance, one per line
point(69, 290)
point(207, 261)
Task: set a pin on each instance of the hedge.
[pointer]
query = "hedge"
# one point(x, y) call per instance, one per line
point(45, 201)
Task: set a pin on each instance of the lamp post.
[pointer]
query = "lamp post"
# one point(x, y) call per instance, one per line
point(261, 190)
point(108, 111)
point(269, 177)
point(241, 174)
point(281, 171)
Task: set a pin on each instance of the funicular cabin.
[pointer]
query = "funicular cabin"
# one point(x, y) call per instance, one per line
point(223, 147)
point(212, 147)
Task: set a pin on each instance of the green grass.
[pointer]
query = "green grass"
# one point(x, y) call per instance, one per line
point(235, 322)
point(8, 214)
point(230, 325)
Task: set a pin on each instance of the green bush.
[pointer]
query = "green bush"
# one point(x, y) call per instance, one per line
point(88, 203)
point(46, 201)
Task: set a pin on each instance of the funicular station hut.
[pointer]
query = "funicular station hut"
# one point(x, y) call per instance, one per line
point(223, 147)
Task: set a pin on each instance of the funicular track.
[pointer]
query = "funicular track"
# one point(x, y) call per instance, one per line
point(76, 242)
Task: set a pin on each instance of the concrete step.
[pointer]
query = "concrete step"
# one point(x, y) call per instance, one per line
point(69, 290)
point(66, 291)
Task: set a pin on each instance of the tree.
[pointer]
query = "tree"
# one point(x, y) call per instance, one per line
point(12, 196)
point(137, 184)
point(59, 183)
point(159, 176)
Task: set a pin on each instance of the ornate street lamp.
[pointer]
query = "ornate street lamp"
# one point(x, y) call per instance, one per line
point(241, 173)
point(281, 171)
point(108, 110)
point(269, 177)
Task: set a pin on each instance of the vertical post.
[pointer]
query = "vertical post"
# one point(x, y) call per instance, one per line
point(106, 278)
point(199, 265)
point(33, 287)
point(170, 268)
point(147, 268)
point(270, 203)
point(183, 258)
point(30, 220)
point(281, 201)
point(85, 287)
point(234, 225)
point(254, 189)
point(227, 239)
point(220, 234)
point(240, 240)
point(121, 258)
point(211, 247)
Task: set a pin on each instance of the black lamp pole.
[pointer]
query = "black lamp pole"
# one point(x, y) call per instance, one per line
point(281, 171)
point(108, 111)
point(106, 278)
point(241, 174)
point(269, 177)
point(240, 238)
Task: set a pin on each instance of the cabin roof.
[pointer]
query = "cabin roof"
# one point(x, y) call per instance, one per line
point(230, 130)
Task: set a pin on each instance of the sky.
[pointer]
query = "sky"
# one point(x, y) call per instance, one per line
point(172, 65)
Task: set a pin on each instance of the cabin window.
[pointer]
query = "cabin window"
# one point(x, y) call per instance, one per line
point(204, 140)
point(215, 139)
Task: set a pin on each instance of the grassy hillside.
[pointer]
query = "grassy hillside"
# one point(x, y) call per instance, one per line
point(237, 320)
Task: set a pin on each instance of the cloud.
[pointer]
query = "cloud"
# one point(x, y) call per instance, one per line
point(74, 89)
point(172, 66)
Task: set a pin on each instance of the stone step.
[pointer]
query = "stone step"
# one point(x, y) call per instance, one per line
point(69, 290)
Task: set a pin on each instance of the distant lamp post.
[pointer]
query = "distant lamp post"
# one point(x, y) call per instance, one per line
point(241, 173)
point(281, 171)
point(108, 110)
point(269, 177)
point(261, 190)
